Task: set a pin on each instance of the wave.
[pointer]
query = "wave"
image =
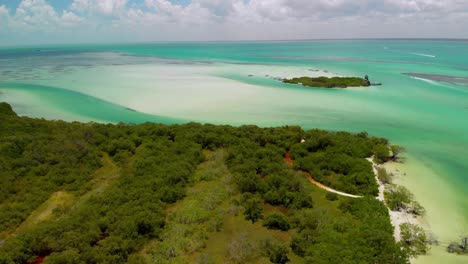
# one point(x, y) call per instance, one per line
point(436, 83)
point(423, 55)
point(412, 53)
point(425, 80)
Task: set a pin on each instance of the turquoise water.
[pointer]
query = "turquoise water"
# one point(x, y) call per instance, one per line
point(210, 82)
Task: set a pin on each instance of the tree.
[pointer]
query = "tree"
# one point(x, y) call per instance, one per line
point(253, 209)
point(414, 239)
point(459, 248)
point(381, 153)
point(241, 250)
point(276, 221)
point(301, 242)
point(399, 198)
point(383, 175)
point(396, 150)
point(64, 257)
point(276, 251)
point(331, 196)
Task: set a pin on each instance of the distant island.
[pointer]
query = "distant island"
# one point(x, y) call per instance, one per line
point(331, 82)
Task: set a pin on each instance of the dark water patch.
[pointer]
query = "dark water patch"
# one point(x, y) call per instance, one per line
point(149, 59)
point(440, 78)
point(29, 53)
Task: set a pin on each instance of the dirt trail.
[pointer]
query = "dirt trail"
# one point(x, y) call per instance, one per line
point(288, 160)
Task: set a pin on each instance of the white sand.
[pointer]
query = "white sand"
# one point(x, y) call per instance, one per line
point(396, 218)
point(318, 184)
point(428, 190)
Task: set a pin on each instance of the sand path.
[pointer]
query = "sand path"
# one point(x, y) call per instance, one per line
point(290, 162)
point(318, 184)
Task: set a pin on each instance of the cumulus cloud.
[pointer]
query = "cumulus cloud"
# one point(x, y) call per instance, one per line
point(4, 18)
point(3, 11)
point(102, 7)
point(71, 19)
point(244, 19)
point(193, 13)
point(37, 15)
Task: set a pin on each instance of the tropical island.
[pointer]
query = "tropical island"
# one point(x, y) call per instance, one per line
point(330, 82)
point(153, 193)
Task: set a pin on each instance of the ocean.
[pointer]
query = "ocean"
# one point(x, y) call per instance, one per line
point(422, 104)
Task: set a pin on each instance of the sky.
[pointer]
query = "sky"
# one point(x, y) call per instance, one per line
point(111, 21)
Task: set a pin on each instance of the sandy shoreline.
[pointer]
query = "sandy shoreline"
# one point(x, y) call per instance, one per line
point(396, 217)
point(420, 180)
point(437, 253)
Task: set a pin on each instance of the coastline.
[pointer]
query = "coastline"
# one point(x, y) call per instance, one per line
point(397, 218)
point(419, 179)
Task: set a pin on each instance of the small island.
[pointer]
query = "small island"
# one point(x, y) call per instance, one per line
point(330, 82)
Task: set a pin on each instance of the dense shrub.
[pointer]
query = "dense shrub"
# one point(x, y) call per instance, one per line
point(276, 221)
point(276, 251)
point(383, 175)
point(123, 178)
point(414, 239)
point(399, 198)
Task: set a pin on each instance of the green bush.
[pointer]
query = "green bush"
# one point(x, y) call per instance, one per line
point(276, 251)
point(253, 209)
point(396, 151)
point(383, 175)
point(381, 153)
point(399, 198)
point(276, 221)
point(414, 239)
point(331, 196)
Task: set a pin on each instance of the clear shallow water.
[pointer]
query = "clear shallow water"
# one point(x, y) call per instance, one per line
point(210, 82)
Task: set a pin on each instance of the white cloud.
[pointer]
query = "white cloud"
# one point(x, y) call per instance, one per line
point(194, 13)
point(101, 7)
point(32, 14)
point(4, 11)
point(80, 5)
point(38, 15)
point(243, 19)
point(278, 19)
point(4, 18)
point(70, 19)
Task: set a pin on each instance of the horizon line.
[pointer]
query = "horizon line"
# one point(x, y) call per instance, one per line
point(222, 41)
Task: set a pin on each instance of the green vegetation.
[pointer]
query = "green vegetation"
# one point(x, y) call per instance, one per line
point(322, 238)
point(276, 251)
point(331, 196)
point(381, 153)
point(399, 198)
point(201, 212)
point(253, 209)
point(396, 151)
point(328, 82)
point(338, 160)
point(276, 221)
point(151, 193)
point(459, 248)
point(383, 175)
point(414, 240)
